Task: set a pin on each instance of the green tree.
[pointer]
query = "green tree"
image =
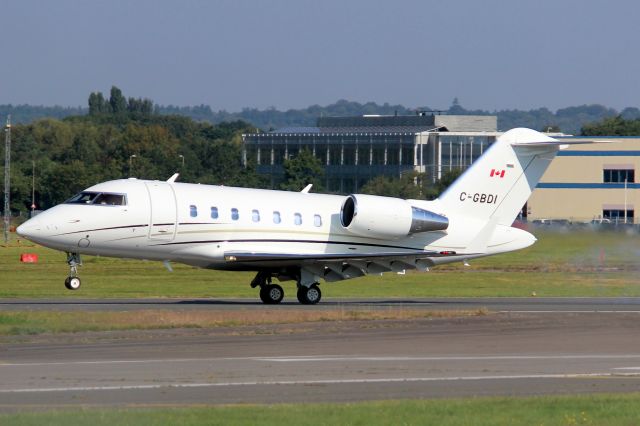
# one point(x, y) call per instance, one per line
point(140, 106)
point(117, 101)
point(446, 180)
point(411, 185)
point(79, 151)
point(302, 170)
point(96, 102)
point(403, 187)
point(613, 126)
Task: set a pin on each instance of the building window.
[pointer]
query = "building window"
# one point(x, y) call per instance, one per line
point(317, 220)
point(276, 217)
point(214, 212)
point(193, 211)
point(618, 175)
point(617, 215)
point(234, 214)
point(255, 215)
point(297, 219)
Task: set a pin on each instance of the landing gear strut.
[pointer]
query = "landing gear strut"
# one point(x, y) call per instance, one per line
point(270, 294)
point(73, 281)
point(308, 291)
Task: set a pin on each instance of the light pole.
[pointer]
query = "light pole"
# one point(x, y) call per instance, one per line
point(33, 187)
point(182, 157)
point(131, 157)
point(7, 180)
point(625, 200)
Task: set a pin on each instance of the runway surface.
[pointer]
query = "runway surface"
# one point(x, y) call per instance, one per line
point(528, 347)
point(497, 304)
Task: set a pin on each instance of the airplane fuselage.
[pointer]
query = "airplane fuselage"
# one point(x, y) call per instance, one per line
point(197, 224)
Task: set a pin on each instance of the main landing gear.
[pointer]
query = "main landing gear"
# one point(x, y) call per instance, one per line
point(73, 281)
point(309, 295)
point(271, 294)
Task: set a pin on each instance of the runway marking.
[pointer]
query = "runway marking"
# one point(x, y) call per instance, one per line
point(311, 382)
point(626, 368)
point(325, 358)
point(442, 358)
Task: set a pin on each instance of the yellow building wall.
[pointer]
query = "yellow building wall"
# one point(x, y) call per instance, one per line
point(585, 204)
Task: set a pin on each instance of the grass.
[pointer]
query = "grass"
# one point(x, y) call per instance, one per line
point(559, 264)
point(602, 409)
point(38, 322)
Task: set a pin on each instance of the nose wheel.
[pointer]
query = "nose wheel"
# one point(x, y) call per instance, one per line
point(73, 281)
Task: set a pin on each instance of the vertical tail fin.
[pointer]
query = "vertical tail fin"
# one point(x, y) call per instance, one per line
point(500, 182)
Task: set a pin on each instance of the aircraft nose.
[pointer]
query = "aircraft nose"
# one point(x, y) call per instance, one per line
point(30, 228)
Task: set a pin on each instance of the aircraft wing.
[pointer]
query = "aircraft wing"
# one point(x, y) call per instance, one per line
point(340, 266)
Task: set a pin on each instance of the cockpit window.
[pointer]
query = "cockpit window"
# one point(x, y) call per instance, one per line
point(83, 198)
point(110, 199)
point(98, 198)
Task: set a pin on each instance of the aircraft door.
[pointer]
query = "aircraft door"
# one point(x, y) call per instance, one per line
point(162, 221)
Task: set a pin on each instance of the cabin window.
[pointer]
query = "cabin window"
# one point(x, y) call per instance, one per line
point(297, 219)
point(234, 214)
point(276, 217)
point(193, 211)
point(317, 220)
point(214, 212)
point(255, 215)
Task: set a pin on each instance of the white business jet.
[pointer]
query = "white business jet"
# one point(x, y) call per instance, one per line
point(302, 236)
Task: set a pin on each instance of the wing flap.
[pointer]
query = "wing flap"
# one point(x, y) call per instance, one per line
point(339, 266)
point(236, 256)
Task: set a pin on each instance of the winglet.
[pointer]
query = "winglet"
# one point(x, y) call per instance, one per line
point(307, 189)
point(173, 178)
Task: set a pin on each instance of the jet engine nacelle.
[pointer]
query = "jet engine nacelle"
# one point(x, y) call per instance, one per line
point(387, 217)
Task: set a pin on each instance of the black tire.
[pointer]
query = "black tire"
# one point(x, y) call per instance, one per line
point(309, 295)
point(263, 294)
point(271, 294)
point(302, 295)
point(66, 283)
point(73, 283)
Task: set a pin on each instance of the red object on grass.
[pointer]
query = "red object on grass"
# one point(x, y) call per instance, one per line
point(29, 258)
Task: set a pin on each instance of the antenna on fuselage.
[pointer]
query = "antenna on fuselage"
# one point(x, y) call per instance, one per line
point(173, 178)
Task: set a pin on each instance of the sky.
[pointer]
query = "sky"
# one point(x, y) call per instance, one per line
point(490, 54)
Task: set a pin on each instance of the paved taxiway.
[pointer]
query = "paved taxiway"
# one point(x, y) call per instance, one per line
point(529, 347)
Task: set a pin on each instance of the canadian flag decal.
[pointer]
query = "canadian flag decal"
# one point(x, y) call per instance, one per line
point(496, 173)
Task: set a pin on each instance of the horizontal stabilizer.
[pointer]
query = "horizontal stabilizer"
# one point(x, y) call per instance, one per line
point(559, 143)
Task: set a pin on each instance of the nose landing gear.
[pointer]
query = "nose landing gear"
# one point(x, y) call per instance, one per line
point(73, 281)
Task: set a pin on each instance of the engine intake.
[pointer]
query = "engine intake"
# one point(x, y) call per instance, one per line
point(387, 217)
